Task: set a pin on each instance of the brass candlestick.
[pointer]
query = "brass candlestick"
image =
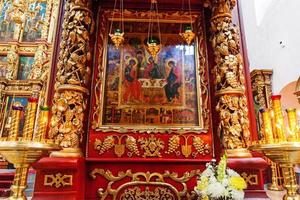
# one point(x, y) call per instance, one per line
point(282, 149)
point(22, 152)
point(286, 155)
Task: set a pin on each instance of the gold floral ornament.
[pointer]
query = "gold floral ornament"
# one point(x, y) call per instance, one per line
point(133, 185)
point(117, 38)
point(152, 146)
point(188, 35)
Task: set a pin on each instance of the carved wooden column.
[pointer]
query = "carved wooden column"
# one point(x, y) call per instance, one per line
point(262, 91)
point(262, 86)
point(72, 79)
point(229, 80)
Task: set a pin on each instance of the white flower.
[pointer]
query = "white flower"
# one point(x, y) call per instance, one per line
point(207, 172)
point(237, 194)
point(212, 180)
point(225, 182)
point(216, 190)
point(231, 173)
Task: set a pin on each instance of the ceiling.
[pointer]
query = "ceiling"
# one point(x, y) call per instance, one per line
point(162, 4)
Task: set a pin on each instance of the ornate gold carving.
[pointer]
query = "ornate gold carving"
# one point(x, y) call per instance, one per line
point(151, 146)
point(142, 179)
point(131, 144)
point(66, 124)
point(166, 16)
point(159, 193)
point(201, 73)
point(73, 73)
point(58, 180)
point(40, 65)
point(174, 143)
point(20, 87)
point(119, 148)
point(262, 91)
point(251, 179)
point(108, 143)
point(201, 147)
point(229, 78)
point(12, 62)
point(262, 87)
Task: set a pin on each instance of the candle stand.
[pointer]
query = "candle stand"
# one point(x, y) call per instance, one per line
point(281, 144)
point(22, 154)
point(286, 155)
point(23, 146)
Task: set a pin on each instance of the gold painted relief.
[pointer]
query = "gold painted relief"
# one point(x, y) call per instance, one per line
point(189, 146)
point(139, 184)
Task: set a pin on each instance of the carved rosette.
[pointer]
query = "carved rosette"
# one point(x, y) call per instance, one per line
point(229, 77)
point(73, 72)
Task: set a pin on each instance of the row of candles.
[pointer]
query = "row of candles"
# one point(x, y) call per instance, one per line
point(274, 129)
point(31, 123)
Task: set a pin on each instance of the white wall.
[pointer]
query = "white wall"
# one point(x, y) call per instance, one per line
point(266, 24)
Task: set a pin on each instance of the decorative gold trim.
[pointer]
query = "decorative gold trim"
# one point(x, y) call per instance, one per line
point(201, 74)
point(137, 193)
point(152, 146)
point(141, 179)
point(251, 179)
point(58, 180)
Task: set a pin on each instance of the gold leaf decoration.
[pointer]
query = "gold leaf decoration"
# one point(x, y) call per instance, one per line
point(201, 147)
point(107, 144)
point(152, 146)
point(131, 145)
point(174, 143)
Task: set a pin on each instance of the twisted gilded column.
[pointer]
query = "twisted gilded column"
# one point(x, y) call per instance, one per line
point(72, 79)
point(229, 80)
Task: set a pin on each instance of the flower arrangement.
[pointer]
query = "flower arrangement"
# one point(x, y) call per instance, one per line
point(217, 182)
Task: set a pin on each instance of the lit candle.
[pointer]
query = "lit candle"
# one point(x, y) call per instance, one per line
point(42, 124)
point(267, 126)
point(279, 122)
point(17, 110)
point(30, 118)
point(293, 128)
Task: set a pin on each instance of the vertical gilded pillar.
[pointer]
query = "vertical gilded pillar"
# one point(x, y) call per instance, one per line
point(229, 80)
point(17, 109)
point(30, 118)
point(72, 79)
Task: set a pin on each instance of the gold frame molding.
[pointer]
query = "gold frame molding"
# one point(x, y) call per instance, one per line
point(201, 74)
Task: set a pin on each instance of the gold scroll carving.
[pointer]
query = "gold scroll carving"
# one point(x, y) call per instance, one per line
point(58, 180)
point(73, 73)
point(142, 179)
point(229, 78)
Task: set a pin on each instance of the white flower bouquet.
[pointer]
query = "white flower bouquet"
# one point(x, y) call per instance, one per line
point(217, 182)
